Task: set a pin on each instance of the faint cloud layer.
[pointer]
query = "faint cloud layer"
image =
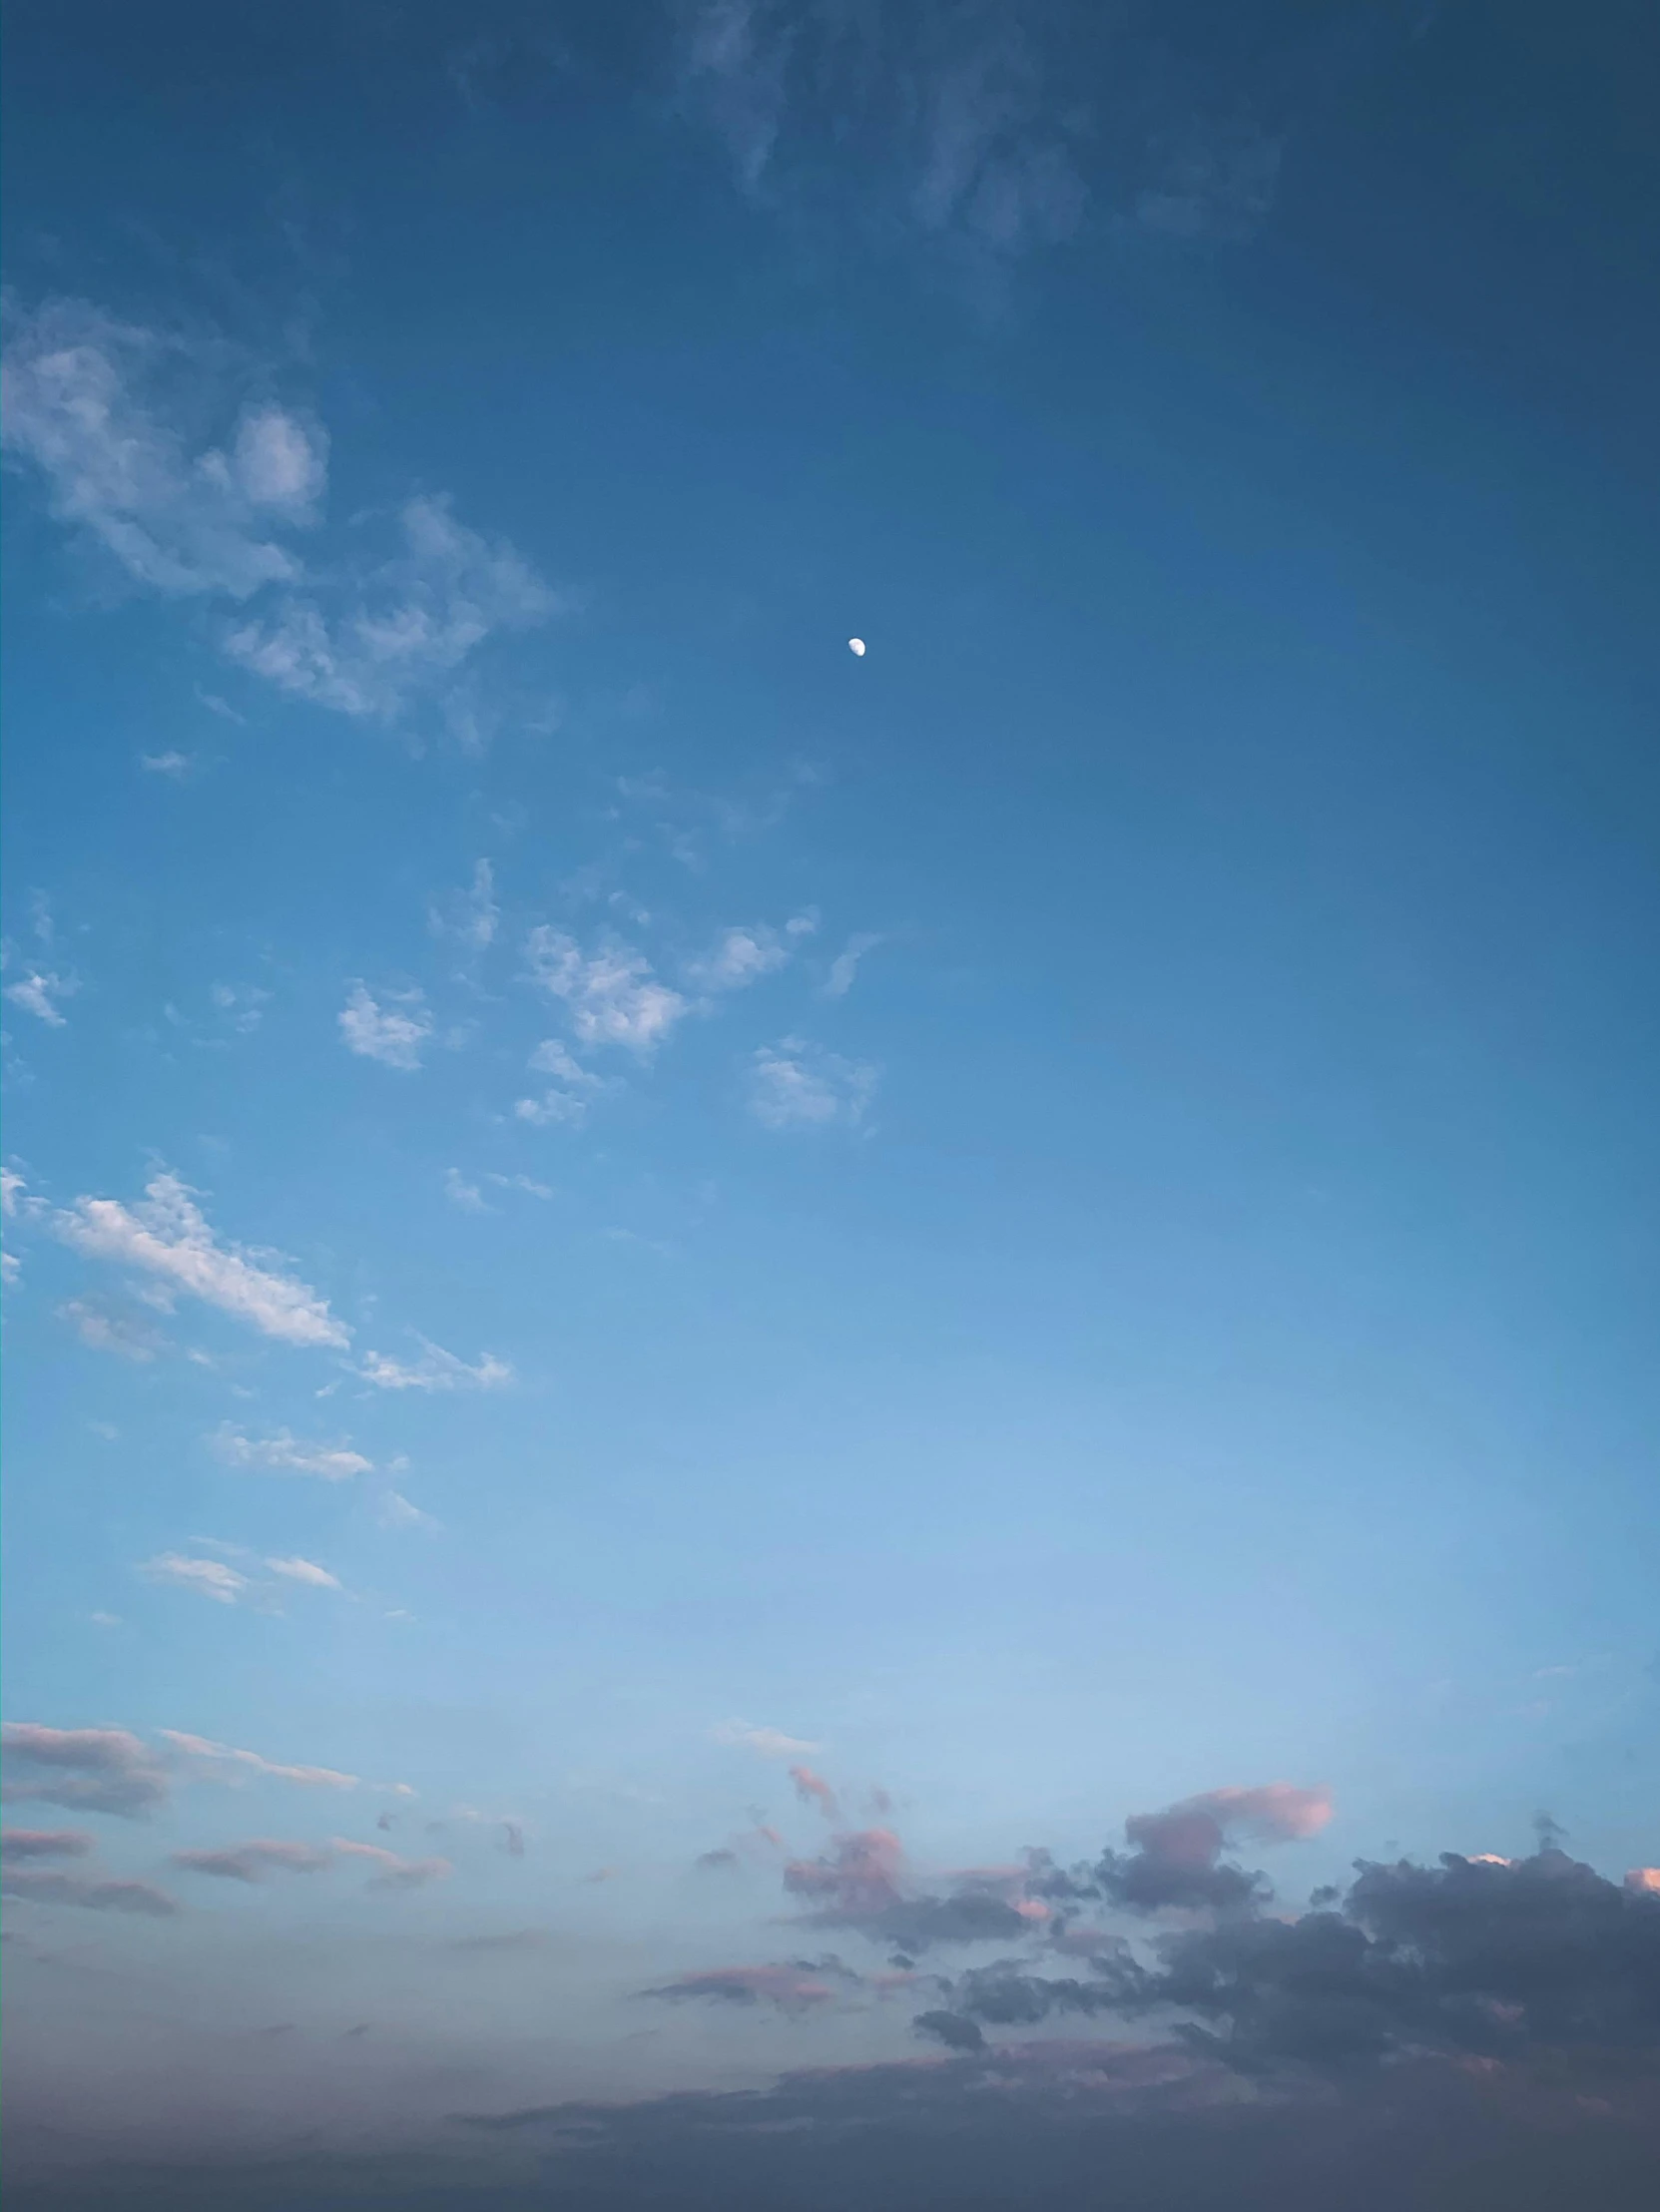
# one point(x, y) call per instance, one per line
point(989, 129)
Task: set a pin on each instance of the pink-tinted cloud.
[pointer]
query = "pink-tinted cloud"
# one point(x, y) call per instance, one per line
point(20, 1843)
point(396, 1872)
point(89, 1770)
point(857, 1878)
point(812, 1789)
point(1644, 1880)
point(256, 1860)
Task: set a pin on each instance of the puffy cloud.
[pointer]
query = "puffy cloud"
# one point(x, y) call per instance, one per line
point(21, 1843)
point(305, 1570)
point(812, 1789)
point(210, 1578)
point(612, 994)
point(88, 1770)
point(83, 406)
point(796, 1085)
point(436, 1370)
point(283, 1453)
point(168, 1236)
point(256, 1860)
point(203, 1747)
point(1644, 1880)
point(1177, 1859)
point(47, 1886)
point(393, 1034)
point(790, 1987)
point(772, 1743)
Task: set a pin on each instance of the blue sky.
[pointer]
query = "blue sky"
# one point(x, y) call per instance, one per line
point(612, 1199)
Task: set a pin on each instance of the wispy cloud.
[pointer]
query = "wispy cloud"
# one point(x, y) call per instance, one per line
point(464, 1195)
point(469, 918)
point(612, 993)
point(175, 765)
point(305, 1571)
point(436, 1370)
point(130, 1334)
point(392, 1870)
point(166, 1236)
point(283, 1453)
point(251, 1762)
point(409, 623)
point(844, 967)
point(813, 1790)
point(208, 1579)
point(86, 1770)
point(984, 131)
point(798, 1085)
point(82, 398)
point(393, 1033)
point(38, 993)
point(743, 956)
point(772, 1743)
point(105, 413)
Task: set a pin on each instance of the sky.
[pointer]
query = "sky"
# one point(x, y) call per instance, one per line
point(809, 1427)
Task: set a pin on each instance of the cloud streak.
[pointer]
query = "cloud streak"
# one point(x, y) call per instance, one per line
point(168, 1236)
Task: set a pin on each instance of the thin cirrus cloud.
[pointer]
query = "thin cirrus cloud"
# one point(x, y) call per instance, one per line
point(256, 1860)
point(798, 1085)
point(166, 1236)
point(843, 969)
point(38, 993)
point(394, 1033)
point(962, 130)
point(790, 1989)
point(203, 1749)
point(104, 1328)
point(305, 1572)
point(611, 994)
point(208, 1579)
point(471, 918)
point(283, 1453)
point(772, 1743)
point(83, 403)
point(436, 1370)
point(85, 1770)
point(97, 409)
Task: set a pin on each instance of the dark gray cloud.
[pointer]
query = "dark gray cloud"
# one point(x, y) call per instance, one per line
point(1482, 1957)
point(49, 1886)
point(88, 1770)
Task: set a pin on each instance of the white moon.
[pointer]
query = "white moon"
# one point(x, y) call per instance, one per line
point(857, 645)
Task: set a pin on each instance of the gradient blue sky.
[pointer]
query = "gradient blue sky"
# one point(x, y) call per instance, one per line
point(1063, 1213)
